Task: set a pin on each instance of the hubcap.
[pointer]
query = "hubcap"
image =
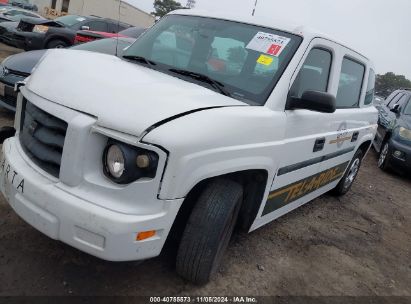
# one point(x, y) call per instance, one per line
point(352, 173)
point(383, 155)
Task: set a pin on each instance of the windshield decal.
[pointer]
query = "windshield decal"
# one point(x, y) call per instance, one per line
point(265, 60)
point(80, 19)
point(267, 43)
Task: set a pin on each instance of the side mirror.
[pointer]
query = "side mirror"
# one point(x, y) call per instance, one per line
point(85, 28)
point(396, 108)
point(314, 101)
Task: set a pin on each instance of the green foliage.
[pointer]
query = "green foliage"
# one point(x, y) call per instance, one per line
point(163, 7)
point(385, 84)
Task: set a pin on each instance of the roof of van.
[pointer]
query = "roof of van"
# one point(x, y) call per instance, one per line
point(284, 25)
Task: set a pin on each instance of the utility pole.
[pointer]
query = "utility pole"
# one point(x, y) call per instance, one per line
point(191, 3)
point(255, 7)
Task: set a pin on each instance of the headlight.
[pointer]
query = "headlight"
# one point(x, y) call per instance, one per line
point(405, 133)
point(40, 29)
point(124, 164)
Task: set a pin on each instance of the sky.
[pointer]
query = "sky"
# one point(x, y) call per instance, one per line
point(380, 29)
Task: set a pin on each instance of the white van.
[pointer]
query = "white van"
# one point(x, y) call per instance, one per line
point(207, 123)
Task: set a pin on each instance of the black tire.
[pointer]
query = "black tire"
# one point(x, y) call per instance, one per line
point(384, 157)
point(57, 44)
point(349, 176)
point(209, 230)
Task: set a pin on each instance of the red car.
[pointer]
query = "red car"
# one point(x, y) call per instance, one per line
point(87, 36)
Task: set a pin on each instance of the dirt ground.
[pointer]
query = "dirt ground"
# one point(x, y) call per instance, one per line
point(357, 245)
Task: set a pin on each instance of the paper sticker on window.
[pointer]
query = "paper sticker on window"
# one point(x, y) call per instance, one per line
point(267, 43)
point(265, 60)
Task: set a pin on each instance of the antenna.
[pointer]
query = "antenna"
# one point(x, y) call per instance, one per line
point(255, 7)
point(118, 25)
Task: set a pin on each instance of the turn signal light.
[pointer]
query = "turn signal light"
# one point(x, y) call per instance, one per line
point(145, 235)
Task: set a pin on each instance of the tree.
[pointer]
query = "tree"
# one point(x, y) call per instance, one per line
point(163, 7)
point(386, 84)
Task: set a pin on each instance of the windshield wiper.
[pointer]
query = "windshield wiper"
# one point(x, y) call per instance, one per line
point(139, 59)
point(203, 78)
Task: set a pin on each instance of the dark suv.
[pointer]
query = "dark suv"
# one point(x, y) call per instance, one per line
point(393, 139)
point(34, 34)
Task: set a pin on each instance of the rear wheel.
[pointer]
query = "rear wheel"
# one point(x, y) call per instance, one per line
point(209, 230)
point(384, 158)
point(350, 175)
point(57, 44)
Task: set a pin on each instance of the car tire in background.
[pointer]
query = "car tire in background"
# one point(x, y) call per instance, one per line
point(349, 176)
point(57, 44)
point(384, 157)
point(208, 230)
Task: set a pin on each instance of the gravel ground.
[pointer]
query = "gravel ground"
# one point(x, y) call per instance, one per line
point(356, 245)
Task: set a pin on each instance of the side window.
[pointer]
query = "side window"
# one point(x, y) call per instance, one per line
point(97, 26)
point(395, 100)
point(351, 79)
point(389, 98)
point(369, 96)
point(314, 74)
point(403, 101)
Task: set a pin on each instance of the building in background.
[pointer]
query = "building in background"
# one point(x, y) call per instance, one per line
point(102, 8)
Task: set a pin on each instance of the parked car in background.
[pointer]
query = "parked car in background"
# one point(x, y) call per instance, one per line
point(7, 30)
point(8, 13)
point(18, 67)
point(24, 4)
point(61, 32)
point(86, 36)
point(393, 138)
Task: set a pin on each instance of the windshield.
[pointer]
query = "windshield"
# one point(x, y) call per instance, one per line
point(69, 20)
point(246, 60)
point(106, 46)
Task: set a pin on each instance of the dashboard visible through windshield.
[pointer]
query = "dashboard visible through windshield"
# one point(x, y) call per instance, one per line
point(238, 60)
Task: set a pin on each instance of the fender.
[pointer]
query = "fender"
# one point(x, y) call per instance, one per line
point(199, 150)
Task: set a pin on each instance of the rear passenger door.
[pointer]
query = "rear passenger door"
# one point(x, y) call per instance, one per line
point(305, 135)
point(350, 123)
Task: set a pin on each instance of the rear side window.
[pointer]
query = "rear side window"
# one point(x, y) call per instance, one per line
point(349, 89)
point(369, 96)
point(314, 74)
point(98, 26)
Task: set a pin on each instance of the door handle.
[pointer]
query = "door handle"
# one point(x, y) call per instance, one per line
point(319, 144)
point(354, 137)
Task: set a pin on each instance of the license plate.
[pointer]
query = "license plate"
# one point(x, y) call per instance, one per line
point(2, 89)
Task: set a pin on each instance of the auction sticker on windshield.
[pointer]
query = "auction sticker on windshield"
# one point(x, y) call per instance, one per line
point(267, 43)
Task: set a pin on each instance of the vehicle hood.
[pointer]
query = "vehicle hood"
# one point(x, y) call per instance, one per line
point(24, 62)
point(9, 25)
point(123, 96)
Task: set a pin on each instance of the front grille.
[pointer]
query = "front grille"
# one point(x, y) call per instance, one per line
point(42, 137)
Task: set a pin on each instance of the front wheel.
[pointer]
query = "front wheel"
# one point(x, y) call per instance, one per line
point(350, 175)
point(57, 44)
point(383, 160)
point(209, 230)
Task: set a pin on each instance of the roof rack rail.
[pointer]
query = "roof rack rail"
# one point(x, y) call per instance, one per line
point(96, 16)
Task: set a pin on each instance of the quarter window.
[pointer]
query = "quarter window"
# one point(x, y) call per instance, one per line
point(369, 96)
point(351, 79)
point(314, 74)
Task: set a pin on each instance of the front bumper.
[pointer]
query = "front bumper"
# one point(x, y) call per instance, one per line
point(402, 162)
point(48, 207)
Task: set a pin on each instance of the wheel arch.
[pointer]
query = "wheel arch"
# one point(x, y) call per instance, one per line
point(254, 182)
point(62, 38)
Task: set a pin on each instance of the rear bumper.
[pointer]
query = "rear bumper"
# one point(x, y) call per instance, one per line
point(402, 162)
point(104, 233)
